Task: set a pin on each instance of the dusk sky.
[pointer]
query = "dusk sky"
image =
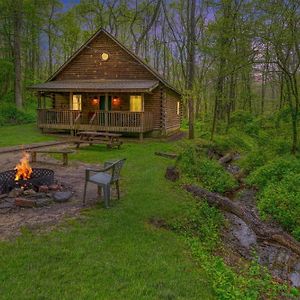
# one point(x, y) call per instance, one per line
point(70, 3)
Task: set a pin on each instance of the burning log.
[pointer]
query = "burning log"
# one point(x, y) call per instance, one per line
point(23, 168)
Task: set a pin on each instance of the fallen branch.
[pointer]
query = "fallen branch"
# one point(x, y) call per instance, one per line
point(167, 155)
point(264, 231)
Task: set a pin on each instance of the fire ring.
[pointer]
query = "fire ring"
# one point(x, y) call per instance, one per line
point(38, 177)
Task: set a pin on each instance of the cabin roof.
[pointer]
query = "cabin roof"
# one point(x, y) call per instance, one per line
point(144, 64)
point(97, 85)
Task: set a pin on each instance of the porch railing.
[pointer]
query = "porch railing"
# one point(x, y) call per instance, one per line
point(99, 120)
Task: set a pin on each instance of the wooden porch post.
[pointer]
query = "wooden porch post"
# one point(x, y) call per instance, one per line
point(141, 134)
point(72, 132)
point(71, 101)
point(106, 112)
point(39, 112)
point(44, 101)
point(39, 100)
point(53, 100)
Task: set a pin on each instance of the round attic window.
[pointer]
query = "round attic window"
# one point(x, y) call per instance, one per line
point(104, 56)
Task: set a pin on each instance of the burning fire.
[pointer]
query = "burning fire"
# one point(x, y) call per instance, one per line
point(23, 168)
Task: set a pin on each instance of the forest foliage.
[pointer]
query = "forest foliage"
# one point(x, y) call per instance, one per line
point(224, 55)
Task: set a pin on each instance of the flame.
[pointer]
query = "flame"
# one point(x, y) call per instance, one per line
point(23, 168)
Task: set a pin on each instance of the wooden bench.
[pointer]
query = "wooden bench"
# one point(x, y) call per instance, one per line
point(63, 152)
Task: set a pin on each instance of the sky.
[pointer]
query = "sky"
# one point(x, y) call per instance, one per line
point(70, 3)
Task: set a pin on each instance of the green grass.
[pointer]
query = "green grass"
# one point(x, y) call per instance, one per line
point(24, 134)
point(114, 253)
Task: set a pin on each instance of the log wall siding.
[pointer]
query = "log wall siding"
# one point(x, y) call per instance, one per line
point(152, 103)
point(88, 65)
point(62, 101)
point(173, 120)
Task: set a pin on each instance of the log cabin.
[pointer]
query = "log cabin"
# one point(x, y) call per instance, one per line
point(104, 86)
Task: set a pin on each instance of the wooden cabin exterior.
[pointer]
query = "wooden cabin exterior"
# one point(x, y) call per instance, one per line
point(105, 87)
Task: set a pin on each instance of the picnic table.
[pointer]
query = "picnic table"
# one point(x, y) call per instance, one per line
point(111, 140)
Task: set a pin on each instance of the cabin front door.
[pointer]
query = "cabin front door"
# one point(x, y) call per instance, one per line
point(102, 103)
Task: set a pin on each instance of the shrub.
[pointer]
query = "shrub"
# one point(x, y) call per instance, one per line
point(200, 220)
point(255, 283)
point(280, 146)
point(209, 173)
point(253, 160)
point(281, 200)
point(214, 177)
point(252, 129)
point(9, 114)
point(241, 118)
point(273, 172)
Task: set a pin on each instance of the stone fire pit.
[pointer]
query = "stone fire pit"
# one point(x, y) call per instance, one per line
point(47, 207)
point(37, 191)
point(39, 177)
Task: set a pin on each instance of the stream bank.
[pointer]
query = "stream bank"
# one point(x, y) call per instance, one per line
point(282, 263)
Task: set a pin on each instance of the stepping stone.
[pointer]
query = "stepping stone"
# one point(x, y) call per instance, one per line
point(61, 197)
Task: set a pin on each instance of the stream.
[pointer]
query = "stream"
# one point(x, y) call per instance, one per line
point(282, 263)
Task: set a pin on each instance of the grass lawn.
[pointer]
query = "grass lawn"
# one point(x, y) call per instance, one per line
point(21, 134)
point(114, 253)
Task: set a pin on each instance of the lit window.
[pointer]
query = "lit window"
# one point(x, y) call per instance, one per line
point(136, 103)
point(178, 108)
point(76, 103)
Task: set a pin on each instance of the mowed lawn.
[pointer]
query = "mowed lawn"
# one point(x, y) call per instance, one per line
point(114, 253)
point(21, 135)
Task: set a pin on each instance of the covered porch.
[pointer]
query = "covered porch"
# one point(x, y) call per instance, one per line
point(114, 121)
point(115, 106)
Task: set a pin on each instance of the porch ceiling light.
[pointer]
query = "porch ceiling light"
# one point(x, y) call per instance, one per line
point(95, 101)
point(116, 101)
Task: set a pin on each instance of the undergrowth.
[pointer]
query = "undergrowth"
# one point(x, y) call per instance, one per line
point(10, 115)
point(199, 226)
point(268, 165)
point(206, 172)
point(279, 192)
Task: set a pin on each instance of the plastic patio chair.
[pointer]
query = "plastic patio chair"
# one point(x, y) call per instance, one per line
point(104, 178)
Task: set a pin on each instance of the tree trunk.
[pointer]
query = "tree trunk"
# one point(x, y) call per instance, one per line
point(17, 52)
point(263, 92)
point(293, 111)
point(191, 39)
point(218, 98)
